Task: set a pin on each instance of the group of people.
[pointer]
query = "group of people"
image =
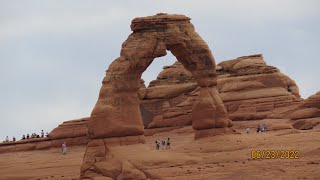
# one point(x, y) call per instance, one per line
point(7, 139)
point(163, 144)
point(260, 128)
point(33, 135)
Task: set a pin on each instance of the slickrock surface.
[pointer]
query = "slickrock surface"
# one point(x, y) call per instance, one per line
point(218, 157)
point(72, 132)
point(70, 129)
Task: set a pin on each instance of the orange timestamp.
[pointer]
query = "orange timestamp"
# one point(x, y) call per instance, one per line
point(275, 154)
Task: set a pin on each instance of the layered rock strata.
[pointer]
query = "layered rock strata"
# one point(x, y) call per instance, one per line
point(307, 116)
point(249, 88)
point(70, 129)
point(73, 132)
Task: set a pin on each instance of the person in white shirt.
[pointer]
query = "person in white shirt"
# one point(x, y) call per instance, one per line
point(64, 148)
point(42, 134)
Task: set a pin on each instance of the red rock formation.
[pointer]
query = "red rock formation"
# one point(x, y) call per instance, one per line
point(70, 129)
point(26, 145)
point(169, 99)
point(249, 88)
point(307, 116)
point(117, 112)
point(312, 101)
point(73, 132)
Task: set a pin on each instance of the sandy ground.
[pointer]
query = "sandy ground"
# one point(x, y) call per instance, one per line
point(219, 157)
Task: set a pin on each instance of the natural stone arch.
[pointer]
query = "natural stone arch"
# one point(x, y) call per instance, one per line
point(117, 111)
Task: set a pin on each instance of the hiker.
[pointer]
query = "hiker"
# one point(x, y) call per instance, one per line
point(47, 134)
point(7, 139)
point(157, 144)
point(28, 136)
point(168, 144)
point(13, 139)
point(42, 133)
point(248, 130)
point(163, 143)
point(64, 148)
point(23, 137)
point(265, 128)
point(258, 128)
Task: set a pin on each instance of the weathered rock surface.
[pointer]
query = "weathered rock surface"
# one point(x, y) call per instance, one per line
point(312, 101)
point(249, 88)
point(26, 145)
point(99, 161)
point(307, 115)
point(117, 112)
point(306, 124)
point(41, 144)
point(220, 157)
point(70, 129)
point(73, 132)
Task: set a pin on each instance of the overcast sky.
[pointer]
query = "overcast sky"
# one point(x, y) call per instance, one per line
point(54, 53)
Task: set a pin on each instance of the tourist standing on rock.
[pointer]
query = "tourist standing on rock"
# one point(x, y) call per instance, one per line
point(168, 144)
point(7, 139)
point(42, 133)
point(248, 130)
point(264, 127)
point(47, 134)
point(64, 148)
point(14, 139)
point(258, 128)
point(157, 144)
point(23, 137)
point(163, 143)
point(28, 136)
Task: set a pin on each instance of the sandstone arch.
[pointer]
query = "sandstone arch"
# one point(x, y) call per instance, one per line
point(117, 113)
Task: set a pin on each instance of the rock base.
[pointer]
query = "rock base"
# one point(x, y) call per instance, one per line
point(99, 162)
